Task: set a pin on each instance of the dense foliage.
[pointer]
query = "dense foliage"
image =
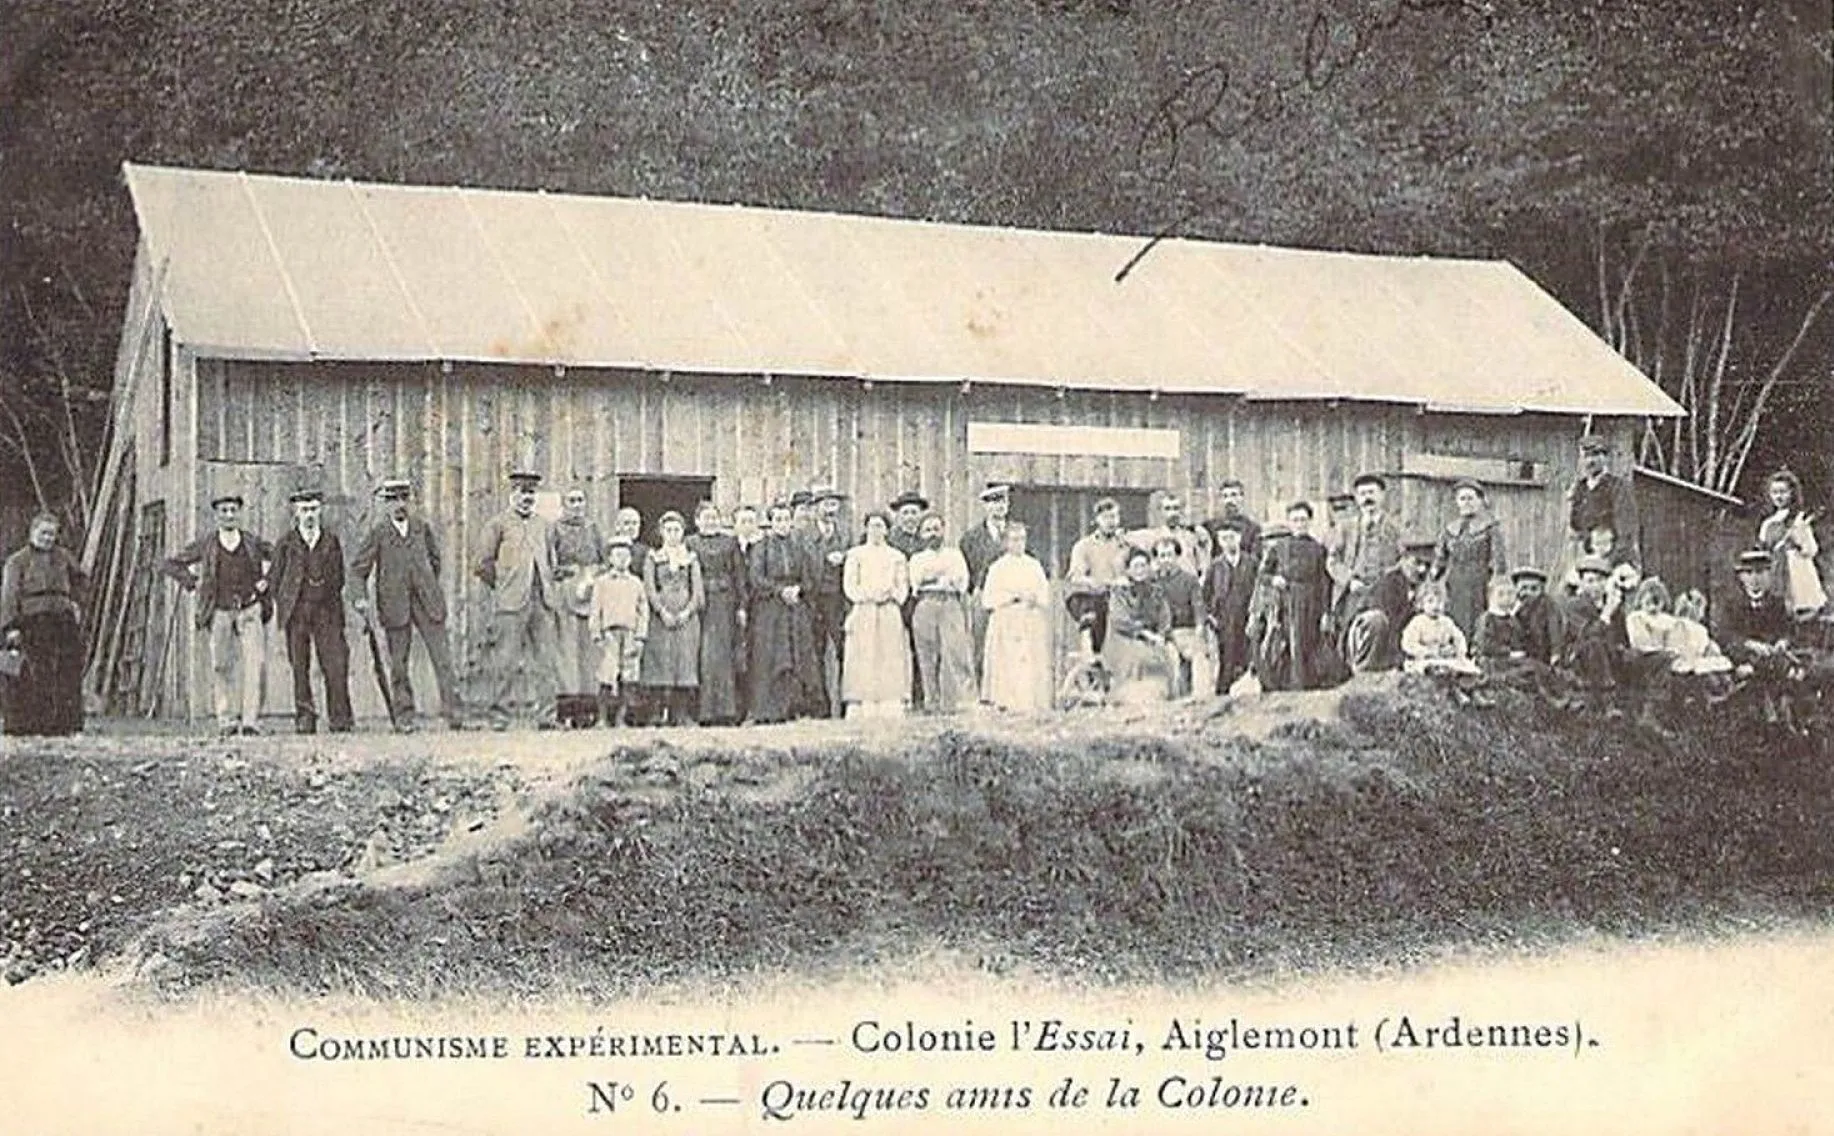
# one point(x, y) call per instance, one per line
point(1538, 131)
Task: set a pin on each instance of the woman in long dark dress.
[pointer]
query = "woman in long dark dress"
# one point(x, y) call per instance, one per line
point(671, 654)
point(1470, 555)
point(41, 592)
point(785, 671)
point(722, 574)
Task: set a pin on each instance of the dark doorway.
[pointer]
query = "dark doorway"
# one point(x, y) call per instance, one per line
point(653, 496)
point(1056, 516)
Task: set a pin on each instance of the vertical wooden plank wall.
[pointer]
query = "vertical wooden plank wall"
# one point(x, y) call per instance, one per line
point(456, 430)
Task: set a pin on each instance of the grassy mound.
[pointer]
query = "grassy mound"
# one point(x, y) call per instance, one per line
point(1168, 845)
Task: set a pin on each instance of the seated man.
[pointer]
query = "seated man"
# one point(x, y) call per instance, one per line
point(1535, 613)
point(1754, 631)
point(1585, 653)
point(1372, 641)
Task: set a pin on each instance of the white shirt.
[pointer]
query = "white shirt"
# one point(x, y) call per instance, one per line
point(230, 540)
point(939, 570)
point(310, 536)
point(400, 526)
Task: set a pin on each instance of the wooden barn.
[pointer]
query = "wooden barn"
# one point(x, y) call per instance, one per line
point(285, 332)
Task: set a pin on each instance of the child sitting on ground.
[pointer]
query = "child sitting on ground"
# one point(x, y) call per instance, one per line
point(1432, 644)
point(1704, 670)
point(620, 621)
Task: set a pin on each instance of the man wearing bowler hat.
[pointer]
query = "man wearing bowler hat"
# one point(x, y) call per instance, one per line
point(228, 571)
point(516, 562)
point(402, 552)
point(907, 510)
point(308, 576)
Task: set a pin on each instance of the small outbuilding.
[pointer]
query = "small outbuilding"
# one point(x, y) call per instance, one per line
point(283, 332)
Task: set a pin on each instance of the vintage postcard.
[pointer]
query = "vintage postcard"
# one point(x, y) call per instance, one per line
point(848, 566)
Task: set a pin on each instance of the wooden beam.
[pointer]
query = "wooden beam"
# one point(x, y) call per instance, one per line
point(1489, 471)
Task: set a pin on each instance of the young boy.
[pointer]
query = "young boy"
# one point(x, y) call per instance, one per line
point(620, 621)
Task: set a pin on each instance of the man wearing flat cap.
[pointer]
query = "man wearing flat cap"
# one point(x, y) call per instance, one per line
point(228, 571)
point(1372, 637)
point(1194, 542)
point(516, 562)
point(1536, 613)
point(402, 551)
point(1600, 499)
point(308, 576)
point(825, 542)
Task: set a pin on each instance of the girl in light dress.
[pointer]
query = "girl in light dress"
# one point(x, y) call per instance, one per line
point(1016, 665)
point(876, 670)
point(1432, 642)
point(1790, 537)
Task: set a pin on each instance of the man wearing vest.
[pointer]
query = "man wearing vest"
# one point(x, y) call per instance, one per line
point(308, 578)
point(516, 562)
point(228, 570)
point(402, 552)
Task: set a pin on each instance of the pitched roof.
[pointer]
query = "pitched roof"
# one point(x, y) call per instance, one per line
point(262, 266)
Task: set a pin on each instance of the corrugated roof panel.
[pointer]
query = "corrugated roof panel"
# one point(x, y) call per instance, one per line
point(1556, 363)
point(721, 253)
point(338, 272)
point(454, 281)
point(669, 323)
point(556, 289)
point(223, 287)
point(391, 271)
point(1252, 353)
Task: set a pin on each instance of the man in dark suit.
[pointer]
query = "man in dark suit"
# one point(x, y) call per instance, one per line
point(1372, 637)
point(308, 575)
point(1228, 587)
point(403, 553)
point(233, 607)
point(825, 543)
point(981, 546)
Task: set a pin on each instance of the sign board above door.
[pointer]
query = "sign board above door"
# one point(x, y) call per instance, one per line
point(1073, 441)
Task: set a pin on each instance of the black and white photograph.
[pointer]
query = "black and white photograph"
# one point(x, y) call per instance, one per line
point(842, 565)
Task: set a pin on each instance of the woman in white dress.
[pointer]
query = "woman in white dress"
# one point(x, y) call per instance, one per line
point(1790, 536)
point(1016, 666)
point(876, 671)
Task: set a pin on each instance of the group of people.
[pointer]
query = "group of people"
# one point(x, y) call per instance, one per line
point(782, 612)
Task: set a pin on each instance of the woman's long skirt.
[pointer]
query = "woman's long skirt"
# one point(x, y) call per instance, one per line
point(876, 662)
point(1016, 670)
point(46, 697)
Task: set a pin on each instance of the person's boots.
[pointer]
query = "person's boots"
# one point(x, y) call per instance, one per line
point(685, 706)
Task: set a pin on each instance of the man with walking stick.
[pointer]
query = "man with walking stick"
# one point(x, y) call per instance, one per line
point(402, 553)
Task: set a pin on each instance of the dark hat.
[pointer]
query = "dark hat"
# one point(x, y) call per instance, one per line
point(910, 497)
point(1593, 444)
point(1300, 506)
point(1107, 505)
point(1340, 501)
point(617, 540)
point(800, 497)
point(1753, 560)
point(1374, 479)
point(996, 490)
point(1424, 549)
point(1595, 565)
point(1528, 573)
point(305, 495)
point(1468, 483)
point(227, 499)
point(825, 493)
point(1233, 523)
point(523, 479)
point(1276, 530)
point(395, 489)
point(671, 515)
